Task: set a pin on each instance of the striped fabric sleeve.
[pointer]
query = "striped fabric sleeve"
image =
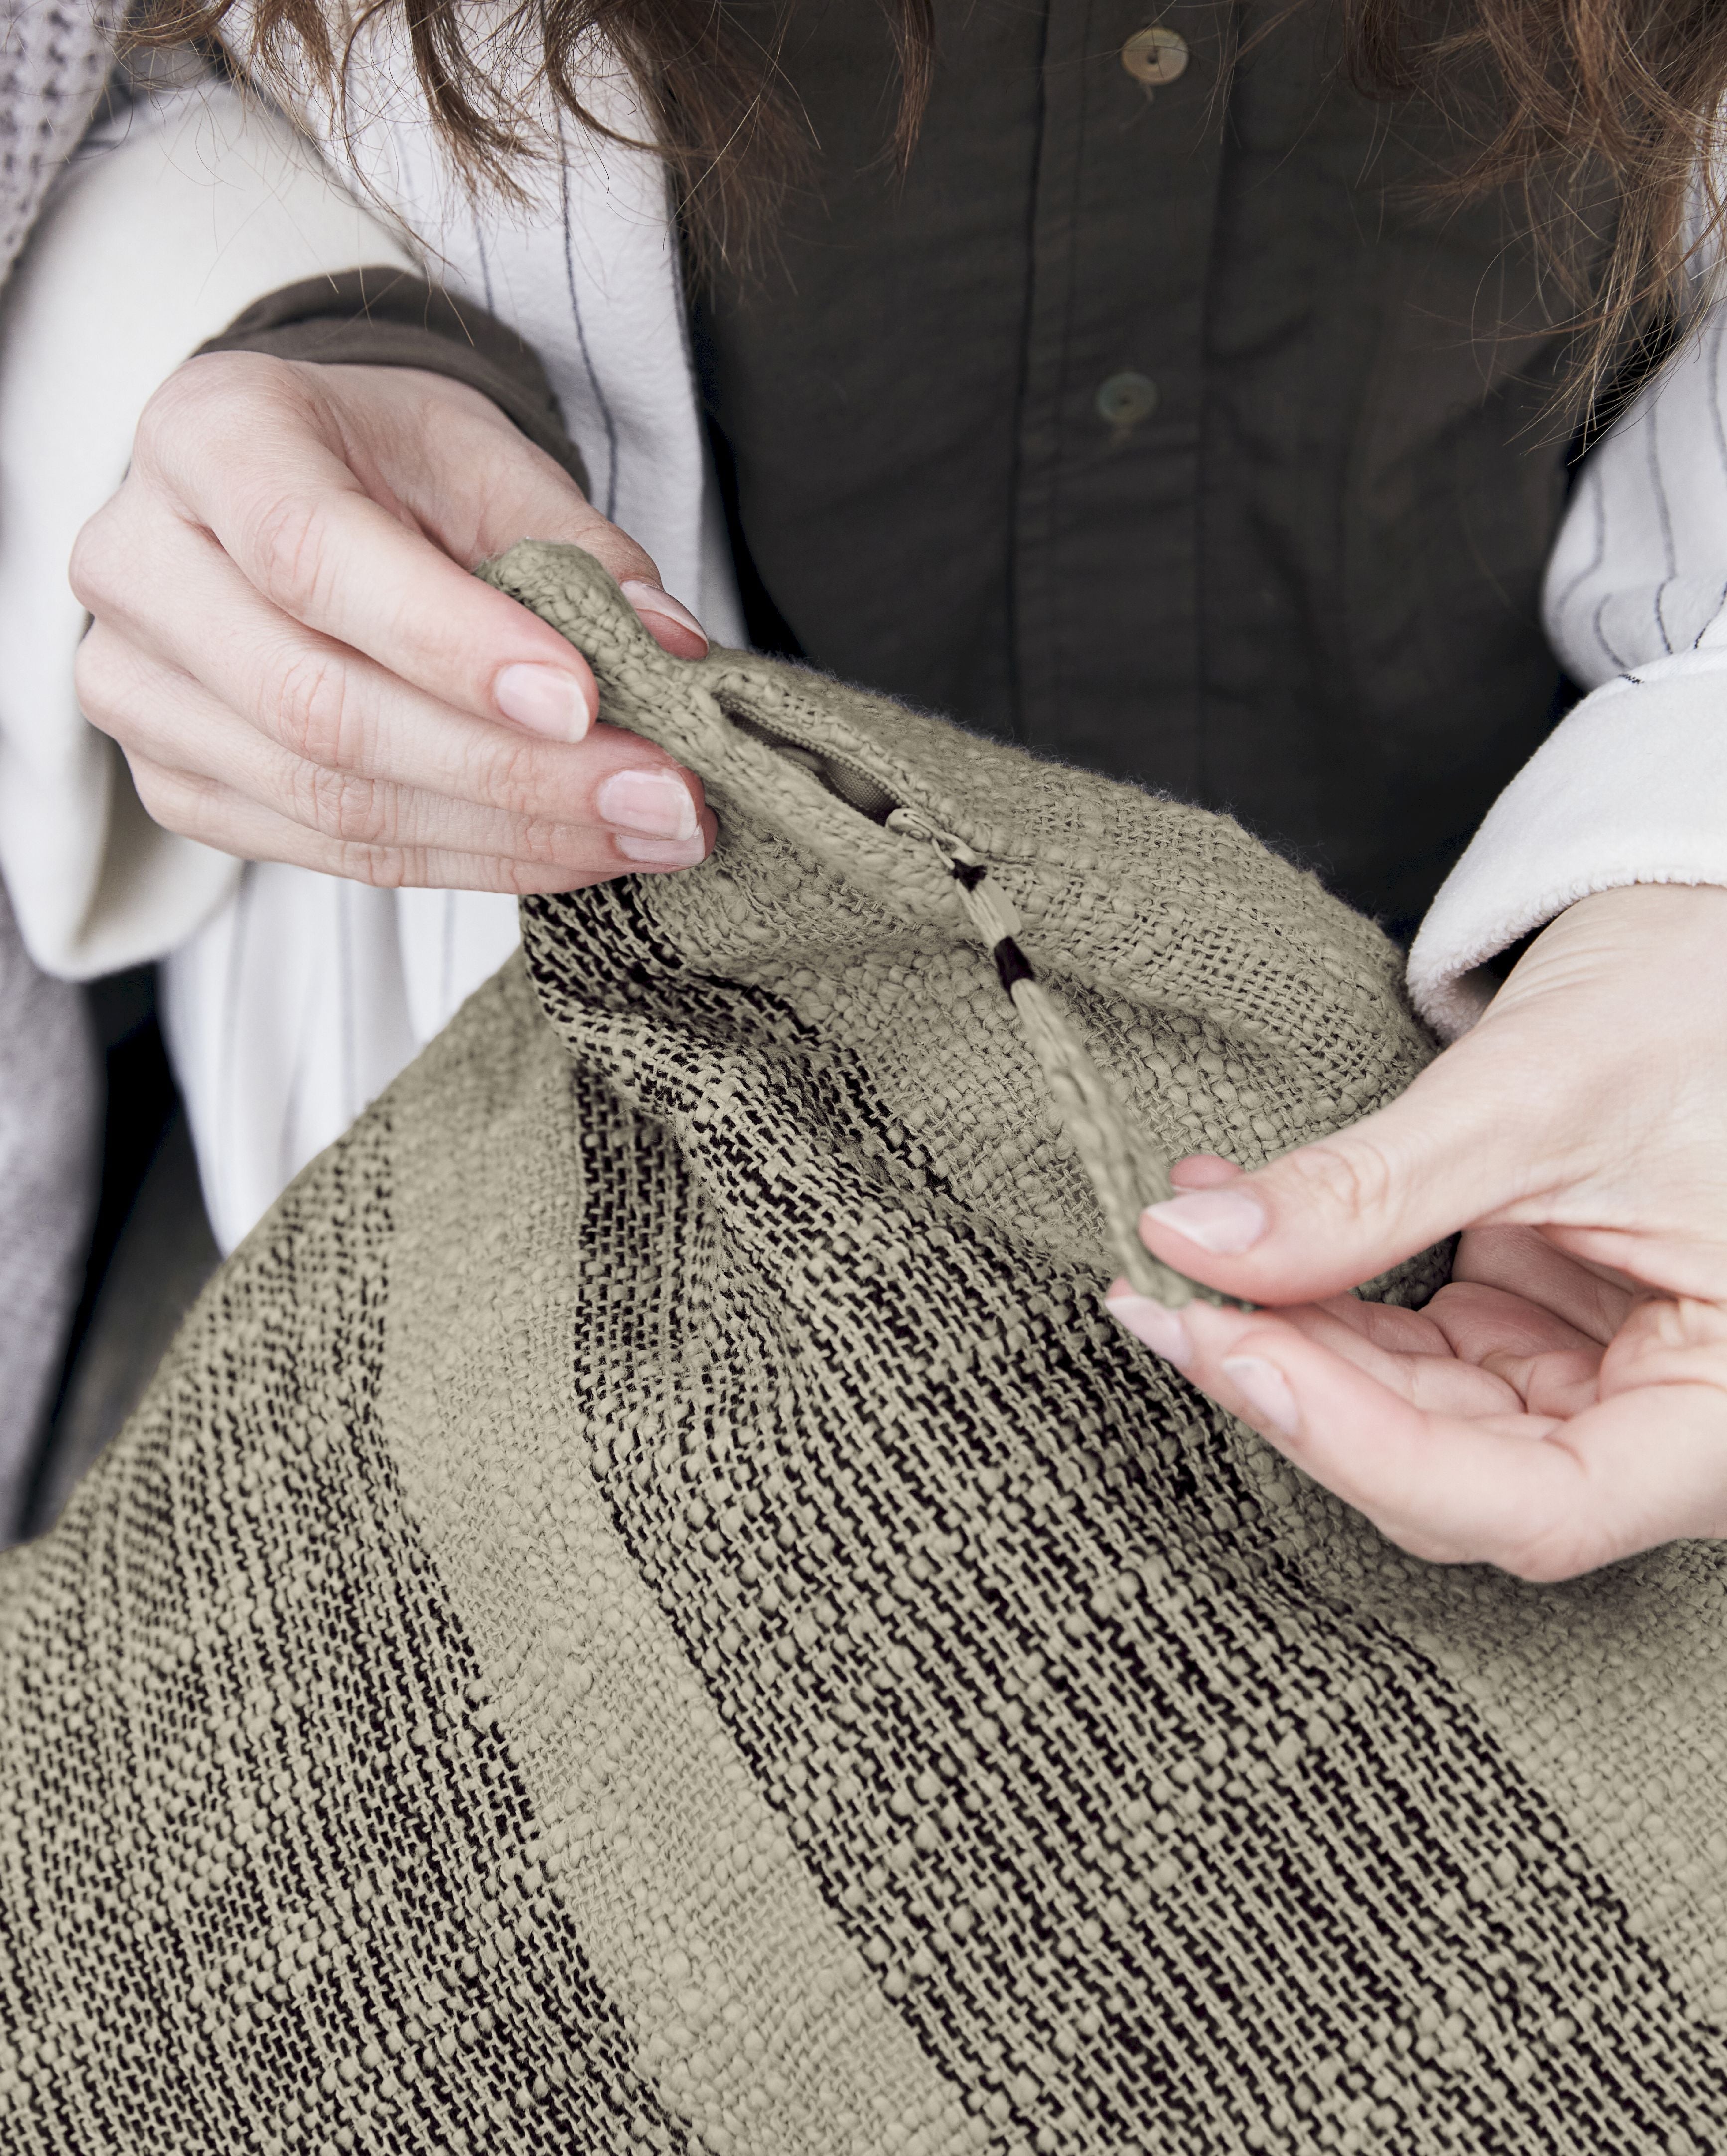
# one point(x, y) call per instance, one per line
point(1632, 786)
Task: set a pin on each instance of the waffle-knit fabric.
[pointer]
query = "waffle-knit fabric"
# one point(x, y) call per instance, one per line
point(54, 59)
point(649, 1607)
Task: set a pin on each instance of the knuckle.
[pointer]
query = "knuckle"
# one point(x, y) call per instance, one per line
point(641, 563)
point(521, 879)
point(540, 843)
point(518, 879)
point(159, 792)
point(384, 867)
point(619, 553)
point(1354, 1179)
point(216, 390)
point(313, 707)
point(111, 690)
point(94, 681)
point(178, 801)
point(286, 539)
point(508, 772)
point(341, 805)
point(357, 809)
point(187, 407)
point(98, 561)
point(182, 400)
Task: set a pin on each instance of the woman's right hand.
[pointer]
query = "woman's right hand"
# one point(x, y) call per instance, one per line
point(288, 646)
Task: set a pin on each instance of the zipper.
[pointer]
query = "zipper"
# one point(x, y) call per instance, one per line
point(1126, 1173)
point(847, 780)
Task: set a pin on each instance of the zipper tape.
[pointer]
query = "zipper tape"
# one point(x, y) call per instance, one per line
point(1126, 1173)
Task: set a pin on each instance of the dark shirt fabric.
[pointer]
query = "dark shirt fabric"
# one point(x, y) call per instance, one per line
point(1304, 587)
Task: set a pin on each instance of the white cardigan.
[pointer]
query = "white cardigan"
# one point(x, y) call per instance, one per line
point(291, 998)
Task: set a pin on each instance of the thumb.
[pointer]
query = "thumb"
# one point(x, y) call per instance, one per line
point(537, 499)
point(1445, 1155)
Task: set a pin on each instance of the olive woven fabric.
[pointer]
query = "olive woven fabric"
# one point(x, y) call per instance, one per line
point(650, 1608)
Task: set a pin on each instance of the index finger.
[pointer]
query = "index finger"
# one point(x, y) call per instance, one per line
point(302, 529)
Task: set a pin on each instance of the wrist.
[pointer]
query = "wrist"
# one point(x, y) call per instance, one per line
point(1653, 922)
point(1652, 949)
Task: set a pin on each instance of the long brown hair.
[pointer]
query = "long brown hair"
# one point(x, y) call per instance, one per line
point(710, 83)
point(1595, 111)
point(1603, 117)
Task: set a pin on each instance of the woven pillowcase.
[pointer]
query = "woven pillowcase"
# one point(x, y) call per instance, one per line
point(649, 1607)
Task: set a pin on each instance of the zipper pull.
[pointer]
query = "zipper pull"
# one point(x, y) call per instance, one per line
point(1126, 1173)
point(992, 913)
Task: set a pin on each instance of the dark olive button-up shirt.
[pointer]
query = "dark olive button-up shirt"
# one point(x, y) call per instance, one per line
point(1177, 433)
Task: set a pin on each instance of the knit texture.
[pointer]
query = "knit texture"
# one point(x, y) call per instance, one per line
point(650, 1608)
point(50, 1149)
point(54, 59)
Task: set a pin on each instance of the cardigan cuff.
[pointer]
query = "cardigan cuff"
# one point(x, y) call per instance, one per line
point(385, 316)
point(1630, 788)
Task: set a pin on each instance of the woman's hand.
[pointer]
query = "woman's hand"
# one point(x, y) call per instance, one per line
point(1564, 1402)
point(289, 646)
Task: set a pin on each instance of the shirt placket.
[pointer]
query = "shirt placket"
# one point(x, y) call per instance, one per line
point(1105, 561)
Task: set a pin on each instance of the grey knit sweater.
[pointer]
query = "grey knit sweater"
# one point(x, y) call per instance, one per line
point(53, 62)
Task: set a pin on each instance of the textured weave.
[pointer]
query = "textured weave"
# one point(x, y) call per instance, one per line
point(650, 1608)
point(54, 59)
point(50, 1150)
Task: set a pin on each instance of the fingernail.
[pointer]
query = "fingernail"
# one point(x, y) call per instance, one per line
point(1224, 1222)
point(1163, 1331)
point(544, 699)
point(663, 853)
point(655, 803)
point(1266, 1390)
point(648, 598)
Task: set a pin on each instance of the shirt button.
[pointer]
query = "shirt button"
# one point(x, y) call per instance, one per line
point(1155, 56)
point(1125, 399)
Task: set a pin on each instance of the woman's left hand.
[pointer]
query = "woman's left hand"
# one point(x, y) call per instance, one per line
point(1563, 1403)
